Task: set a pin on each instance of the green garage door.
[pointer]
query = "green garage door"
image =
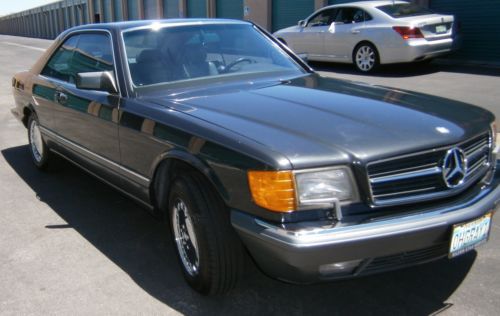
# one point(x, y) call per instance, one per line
point(150, 9)
point(479, 26)
point(197, 8)
point(106, 6)
point(171, 8)
point(133, 10)
point(118, 10)
point(230, 9)
point(288, 12)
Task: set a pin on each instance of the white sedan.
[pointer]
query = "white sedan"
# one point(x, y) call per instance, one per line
point(370, 33)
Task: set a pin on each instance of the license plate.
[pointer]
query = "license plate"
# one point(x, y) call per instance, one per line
point(440, 28)
point(468, 236)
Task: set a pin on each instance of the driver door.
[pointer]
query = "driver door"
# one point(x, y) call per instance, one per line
point(86, 121)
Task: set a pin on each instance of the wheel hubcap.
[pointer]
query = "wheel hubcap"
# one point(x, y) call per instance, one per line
point(185, 237)
point(36, 141)
point(365, 58)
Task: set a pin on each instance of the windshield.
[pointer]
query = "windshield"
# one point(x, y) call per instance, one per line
point(192, 53)
point(402, 10)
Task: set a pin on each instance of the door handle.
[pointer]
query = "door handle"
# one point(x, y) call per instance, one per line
point(355, 32)
point(61, 98)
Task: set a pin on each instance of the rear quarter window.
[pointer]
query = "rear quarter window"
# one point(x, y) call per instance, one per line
point(403, 10)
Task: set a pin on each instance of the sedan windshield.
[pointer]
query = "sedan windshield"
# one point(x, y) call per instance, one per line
point(170, 54)
point(403, 10)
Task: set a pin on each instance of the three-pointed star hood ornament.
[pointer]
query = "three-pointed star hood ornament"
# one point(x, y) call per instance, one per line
point(454, 167)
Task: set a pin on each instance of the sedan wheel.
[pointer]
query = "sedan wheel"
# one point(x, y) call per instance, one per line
point(365, 58)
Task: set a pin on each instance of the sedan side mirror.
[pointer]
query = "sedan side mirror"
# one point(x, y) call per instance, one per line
point(99, 80)
point(302, 23)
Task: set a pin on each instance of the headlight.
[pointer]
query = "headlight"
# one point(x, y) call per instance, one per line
point(287, 191)
point(322, 187)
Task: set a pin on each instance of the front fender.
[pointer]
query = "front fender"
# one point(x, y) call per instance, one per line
point(193, 161)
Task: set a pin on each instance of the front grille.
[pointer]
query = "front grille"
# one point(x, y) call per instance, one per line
point(419, 176)
point(404, 259)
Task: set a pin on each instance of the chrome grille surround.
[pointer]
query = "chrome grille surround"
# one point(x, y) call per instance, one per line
point(419, 177)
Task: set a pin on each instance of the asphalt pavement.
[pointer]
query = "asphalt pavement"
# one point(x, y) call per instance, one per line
point(71, 245)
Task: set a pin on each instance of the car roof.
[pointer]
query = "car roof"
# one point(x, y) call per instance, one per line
point(125, 25)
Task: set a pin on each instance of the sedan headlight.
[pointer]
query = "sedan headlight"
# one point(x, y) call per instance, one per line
point(322, 187)
point(286, 191)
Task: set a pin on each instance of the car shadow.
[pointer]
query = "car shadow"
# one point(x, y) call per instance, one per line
point(140, 246)
point(408, 69)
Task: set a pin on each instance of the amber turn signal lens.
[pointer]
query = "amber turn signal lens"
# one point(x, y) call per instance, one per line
point(273, 190)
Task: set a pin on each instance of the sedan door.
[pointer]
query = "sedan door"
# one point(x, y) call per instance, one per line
point(345, 33)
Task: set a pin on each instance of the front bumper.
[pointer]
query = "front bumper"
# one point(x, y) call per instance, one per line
point(318, 253)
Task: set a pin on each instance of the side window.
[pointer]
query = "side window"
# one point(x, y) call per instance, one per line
point(352, 15)
point(368, 17)
point(359, 16)
point(80, 53)
point(93, 53)
point(323, 18)
point(58, 66)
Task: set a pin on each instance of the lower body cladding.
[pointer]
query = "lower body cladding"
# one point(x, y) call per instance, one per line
point(346, 251)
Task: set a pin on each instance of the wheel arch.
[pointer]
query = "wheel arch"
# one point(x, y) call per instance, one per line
point(365, 41)
point(173, 162)
point(27, 111)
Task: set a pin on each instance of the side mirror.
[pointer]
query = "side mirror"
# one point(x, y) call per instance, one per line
point(301, 23)
point(99, 80)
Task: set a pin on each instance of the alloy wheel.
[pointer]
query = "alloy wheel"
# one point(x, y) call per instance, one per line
point(185, 237)
point(365, 58)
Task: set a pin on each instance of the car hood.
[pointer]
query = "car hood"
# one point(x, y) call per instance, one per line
point(316, 121)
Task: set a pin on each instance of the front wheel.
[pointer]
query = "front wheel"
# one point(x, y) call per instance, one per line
point(38, 149)
point(365, 57)
point(209, 251)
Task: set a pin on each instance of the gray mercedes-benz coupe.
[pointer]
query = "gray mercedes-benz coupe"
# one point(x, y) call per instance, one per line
point(219, 129)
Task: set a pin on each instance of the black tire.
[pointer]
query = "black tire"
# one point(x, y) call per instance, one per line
point(39, 151)
point(425, 62)
point(365, 57)
point(219, 252)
